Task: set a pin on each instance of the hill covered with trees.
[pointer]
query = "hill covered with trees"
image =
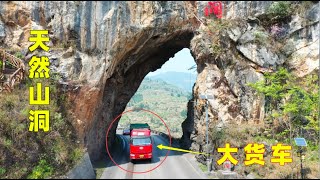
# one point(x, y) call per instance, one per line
point(166, 100)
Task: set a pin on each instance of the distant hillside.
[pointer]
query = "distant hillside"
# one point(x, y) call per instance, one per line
point(164, 99)
point(180, 79)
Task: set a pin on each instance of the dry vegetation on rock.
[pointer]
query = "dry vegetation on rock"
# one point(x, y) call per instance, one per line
point(25, 154)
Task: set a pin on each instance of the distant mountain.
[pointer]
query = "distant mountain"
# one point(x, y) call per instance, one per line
point(180, 79)
point(166, 100)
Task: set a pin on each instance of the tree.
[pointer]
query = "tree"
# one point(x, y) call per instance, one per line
point(137, 98)
point(189, 96)
point(141, 105)
point(183, 113)
point(290, 97)
point(274, 87)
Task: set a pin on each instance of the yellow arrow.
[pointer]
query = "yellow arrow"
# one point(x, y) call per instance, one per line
point(181, 150)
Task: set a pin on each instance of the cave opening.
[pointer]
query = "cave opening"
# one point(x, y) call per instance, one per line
point(166, 92)
point(125, 79)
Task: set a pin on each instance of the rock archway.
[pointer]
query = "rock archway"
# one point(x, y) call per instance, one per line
point(105, 73)
point(118, 43)
point(124, 82)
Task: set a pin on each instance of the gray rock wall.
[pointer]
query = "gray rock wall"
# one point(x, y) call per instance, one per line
point(82, 170)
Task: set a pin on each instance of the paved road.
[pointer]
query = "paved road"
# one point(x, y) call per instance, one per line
point(175, 166)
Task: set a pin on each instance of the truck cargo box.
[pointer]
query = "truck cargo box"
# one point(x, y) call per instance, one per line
point(140, 132)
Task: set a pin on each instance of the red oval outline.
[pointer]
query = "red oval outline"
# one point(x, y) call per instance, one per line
point(118, 164)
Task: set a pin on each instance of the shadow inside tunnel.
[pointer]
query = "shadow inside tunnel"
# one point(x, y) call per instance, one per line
point(120, 153)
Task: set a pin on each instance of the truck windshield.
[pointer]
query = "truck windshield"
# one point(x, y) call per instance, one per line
point(139, 126)
point(141, 141)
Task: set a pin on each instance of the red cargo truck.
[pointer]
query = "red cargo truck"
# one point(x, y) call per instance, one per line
point(140, 144)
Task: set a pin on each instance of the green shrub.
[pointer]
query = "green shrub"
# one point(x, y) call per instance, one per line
point(43, 170)
point(260, 37)
point(217, 136)
point(76, 154)
point(19, 55)
point(203, 167)
point(137, 98)
point(2, 171)
point(9, 65)
point(217, 26)
point(141, 105)
point(216, 49)
point(279, 8)
point(59, 121)
point(184, 113)
point(7, 142)
point(301, 97)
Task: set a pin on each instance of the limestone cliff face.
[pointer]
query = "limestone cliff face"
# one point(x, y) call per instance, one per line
point(106, 49)
point(244, 58)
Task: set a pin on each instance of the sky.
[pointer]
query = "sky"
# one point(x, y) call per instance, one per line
point(181, 62)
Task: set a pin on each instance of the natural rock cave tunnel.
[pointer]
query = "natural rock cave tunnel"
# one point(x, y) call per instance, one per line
point(129, 71)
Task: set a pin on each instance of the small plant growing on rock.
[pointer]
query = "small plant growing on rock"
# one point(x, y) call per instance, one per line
point(18, 55)
point(76, 154)
point(216, 28)
point(43, 170)
point(1, 64)
point(280, 8)
point(216, 49)
point(2, 171)
point(260, 37)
